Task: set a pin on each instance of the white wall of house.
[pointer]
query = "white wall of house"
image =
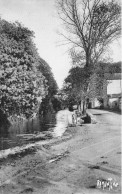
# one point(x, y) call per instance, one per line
point(114, 87)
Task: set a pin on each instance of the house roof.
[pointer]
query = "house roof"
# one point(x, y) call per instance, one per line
point(115, 95)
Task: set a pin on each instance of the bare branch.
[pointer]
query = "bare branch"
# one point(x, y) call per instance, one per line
point(92, 25)
point(69, 39)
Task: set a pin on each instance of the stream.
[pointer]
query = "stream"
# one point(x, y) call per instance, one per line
point(55, 124)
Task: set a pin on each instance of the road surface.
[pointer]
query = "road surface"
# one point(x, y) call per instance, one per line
point(71, 165)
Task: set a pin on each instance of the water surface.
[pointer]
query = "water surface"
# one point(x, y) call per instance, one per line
point(55, 123)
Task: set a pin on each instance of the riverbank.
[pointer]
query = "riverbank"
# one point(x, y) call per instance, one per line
point(25, 143)
point(21, 161)
point(69, 164)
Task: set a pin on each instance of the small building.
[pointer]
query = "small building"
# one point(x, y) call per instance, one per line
point(105, 87)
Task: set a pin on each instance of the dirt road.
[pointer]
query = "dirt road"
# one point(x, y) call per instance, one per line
point(73, 164)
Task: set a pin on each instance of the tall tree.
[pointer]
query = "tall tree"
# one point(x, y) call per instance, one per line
point(91, 26)
point(22, 85)
point(74, 85)
point(48, 103)
point(47, 72)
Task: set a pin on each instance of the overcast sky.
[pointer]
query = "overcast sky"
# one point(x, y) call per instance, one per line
point(40, 16)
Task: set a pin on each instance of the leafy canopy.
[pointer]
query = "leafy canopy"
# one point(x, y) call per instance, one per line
point(22, 85)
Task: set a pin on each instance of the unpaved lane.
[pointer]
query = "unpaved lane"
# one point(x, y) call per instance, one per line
point(90, 156)
point(95, 153)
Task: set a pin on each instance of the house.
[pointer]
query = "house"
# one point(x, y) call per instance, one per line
point(105, 86)
point(114, 92)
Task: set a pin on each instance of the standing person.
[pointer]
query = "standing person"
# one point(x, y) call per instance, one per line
point(73, 118)
point(74, 115)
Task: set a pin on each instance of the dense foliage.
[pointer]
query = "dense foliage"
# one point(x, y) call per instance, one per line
point(47, 72)
point(49, 103)
point(23, 84)
point(74, 83)
point(72, 90)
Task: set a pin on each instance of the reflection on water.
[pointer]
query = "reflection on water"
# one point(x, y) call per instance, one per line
point(56, 123)
point(63, 118)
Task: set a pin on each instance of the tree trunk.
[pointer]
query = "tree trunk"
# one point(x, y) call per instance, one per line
point(84, 107)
